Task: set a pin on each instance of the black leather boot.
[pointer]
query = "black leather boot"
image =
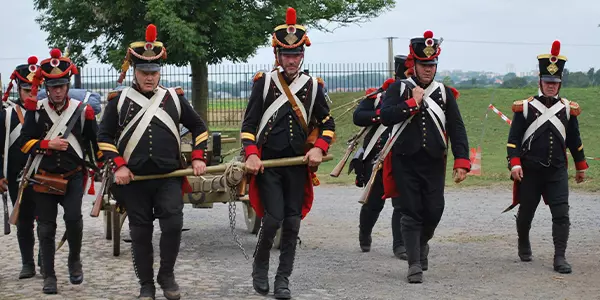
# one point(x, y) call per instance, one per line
point(47, 234)
point(260, 266)
point(143, 257)
point(74, 236)
point(26, 240)
point(289, 241)
point(413, 251)
point(524, 245)
point(426, 235)
point(398, 243)
point(170, 240)
point(367, 221)
point(560, 235)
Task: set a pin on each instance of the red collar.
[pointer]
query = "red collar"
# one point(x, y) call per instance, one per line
point(67, 101)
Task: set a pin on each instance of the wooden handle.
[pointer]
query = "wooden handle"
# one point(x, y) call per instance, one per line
point(364, 198)
point(14, 216)
point(342, 163)
point(271, 163)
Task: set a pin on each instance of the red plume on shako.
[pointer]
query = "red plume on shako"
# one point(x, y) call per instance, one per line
point(55, 54)
point(32, 61)
point(151, 35)
point(290, 20)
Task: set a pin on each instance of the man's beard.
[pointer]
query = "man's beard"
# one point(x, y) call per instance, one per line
point(292, 74)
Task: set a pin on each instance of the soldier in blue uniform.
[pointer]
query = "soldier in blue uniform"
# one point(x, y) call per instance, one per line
point(367, 114)
point(424, 114)
point(58, 161)
point(287, 115)
point(543, 127)
point(139, 134)
point(13, 161)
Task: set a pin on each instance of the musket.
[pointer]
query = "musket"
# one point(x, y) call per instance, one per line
point(6, 224)
point(352, 143)
point(378, 165)
point(270, 163)
point(104, 188)
point(22, 185)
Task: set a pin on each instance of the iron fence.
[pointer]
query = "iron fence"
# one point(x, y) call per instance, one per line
point(229, 86)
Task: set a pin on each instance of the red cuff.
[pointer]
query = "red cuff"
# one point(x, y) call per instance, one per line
point(462, 163)
point(378, 112)
point(582, 165)
point(411, 102)
point(100, 164)
point(44, 144)
point(515, 161)
point(251, 149)
point(322, 144)
point(118, 162)
point(198, 154)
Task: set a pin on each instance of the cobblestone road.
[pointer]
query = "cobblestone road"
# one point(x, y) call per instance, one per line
point(473, 255)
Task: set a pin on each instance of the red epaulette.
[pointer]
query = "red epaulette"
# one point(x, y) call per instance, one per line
point(89, 112)
point(179, 91)
point(574, 108)
point(257, 76)
point(518, 105)
point(455, 92)
point(112, 95)
point(320, 81)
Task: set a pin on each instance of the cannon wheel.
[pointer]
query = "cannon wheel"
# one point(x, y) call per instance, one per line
point(252, 220)
point(116, 230)
point(108, 224)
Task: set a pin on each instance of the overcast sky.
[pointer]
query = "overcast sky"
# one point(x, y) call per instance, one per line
point(479, 35)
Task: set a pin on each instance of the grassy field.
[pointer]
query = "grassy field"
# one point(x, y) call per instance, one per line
point(473, 105)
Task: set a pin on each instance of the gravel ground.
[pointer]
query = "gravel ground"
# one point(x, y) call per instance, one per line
point(473, 255)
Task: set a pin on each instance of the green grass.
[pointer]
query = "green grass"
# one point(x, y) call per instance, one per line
point(473, 104)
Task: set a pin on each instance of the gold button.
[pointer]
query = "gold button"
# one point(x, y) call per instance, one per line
point(424, 145)
point(404, 111)
point(423, 123)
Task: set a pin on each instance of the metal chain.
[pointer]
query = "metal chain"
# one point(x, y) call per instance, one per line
point(232, 186)
point(232, 215)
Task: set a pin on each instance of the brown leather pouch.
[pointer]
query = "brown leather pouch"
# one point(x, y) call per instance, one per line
point(50, 184)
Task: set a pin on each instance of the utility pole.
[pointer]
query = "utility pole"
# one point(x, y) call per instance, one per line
point(391, 54)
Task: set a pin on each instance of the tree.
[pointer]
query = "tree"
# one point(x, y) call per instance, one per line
point(509, 76)
point(578, 79)
point(597, 77)
point(198, 33)
point(590, 75)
